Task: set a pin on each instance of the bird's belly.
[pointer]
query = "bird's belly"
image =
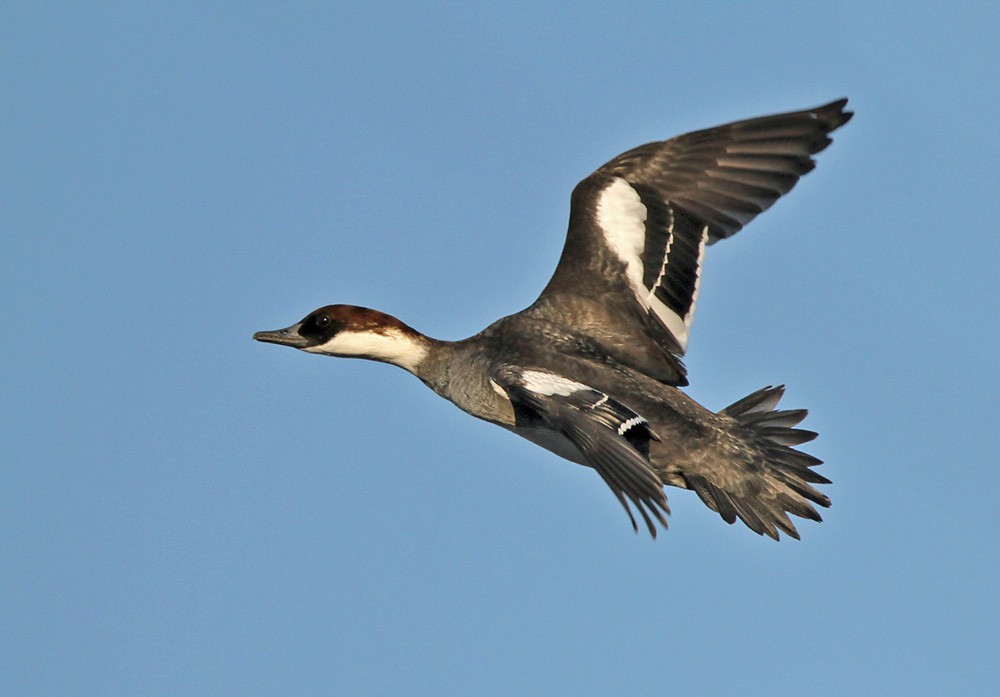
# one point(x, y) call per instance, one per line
point(553, 441)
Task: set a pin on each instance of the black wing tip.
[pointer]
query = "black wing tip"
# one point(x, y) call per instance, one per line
point(834, 115)
point(657, 507)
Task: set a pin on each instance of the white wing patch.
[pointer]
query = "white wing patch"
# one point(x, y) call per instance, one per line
point(666, 256)
point(697, 280)
point(626, 425)
point(583, 399)
point(622, 216)
point(549, 384)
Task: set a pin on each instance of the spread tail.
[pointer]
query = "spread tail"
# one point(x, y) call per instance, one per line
point(769, 478)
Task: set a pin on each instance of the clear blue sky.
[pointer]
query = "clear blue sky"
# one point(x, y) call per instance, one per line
point(186, 512)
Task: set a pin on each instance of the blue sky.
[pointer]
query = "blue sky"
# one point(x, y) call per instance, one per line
point(183, 511)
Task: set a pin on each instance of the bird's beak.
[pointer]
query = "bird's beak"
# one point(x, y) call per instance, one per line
point(286, 337)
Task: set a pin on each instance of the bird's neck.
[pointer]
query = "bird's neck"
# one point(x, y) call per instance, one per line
point(397, 344)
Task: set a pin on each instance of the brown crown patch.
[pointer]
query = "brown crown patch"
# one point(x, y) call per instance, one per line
point(362, 319)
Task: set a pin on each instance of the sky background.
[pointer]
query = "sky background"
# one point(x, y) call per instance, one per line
point(186, 512)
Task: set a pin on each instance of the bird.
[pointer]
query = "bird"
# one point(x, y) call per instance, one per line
point(592, 370)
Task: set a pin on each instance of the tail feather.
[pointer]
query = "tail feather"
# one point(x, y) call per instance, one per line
point(789, 417)
point(715, 498)
point(782, 521)
point(785, 435)
point(770, 479)
point(758, 402)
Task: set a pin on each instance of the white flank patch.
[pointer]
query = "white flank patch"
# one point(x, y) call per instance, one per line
point(550, 384)
point(622, 218)
point(390, 347)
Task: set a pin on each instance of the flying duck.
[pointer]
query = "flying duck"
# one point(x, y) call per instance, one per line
point(592, 369)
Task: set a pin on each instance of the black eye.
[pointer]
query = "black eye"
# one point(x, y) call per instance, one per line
point(323, 321)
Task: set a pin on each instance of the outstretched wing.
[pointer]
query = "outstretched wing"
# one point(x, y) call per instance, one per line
point(639, 226)
point(612, 438)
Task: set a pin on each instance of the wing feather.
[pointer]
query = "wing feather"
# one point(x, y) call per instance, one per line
point(624, 224)
point(613, 438)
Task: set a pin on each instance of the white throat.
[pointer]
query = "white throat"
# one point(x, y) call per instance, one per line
point(388, 345)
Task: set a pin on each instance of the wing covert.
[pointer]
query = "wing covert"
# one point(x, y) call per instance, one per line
point(613, 438)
